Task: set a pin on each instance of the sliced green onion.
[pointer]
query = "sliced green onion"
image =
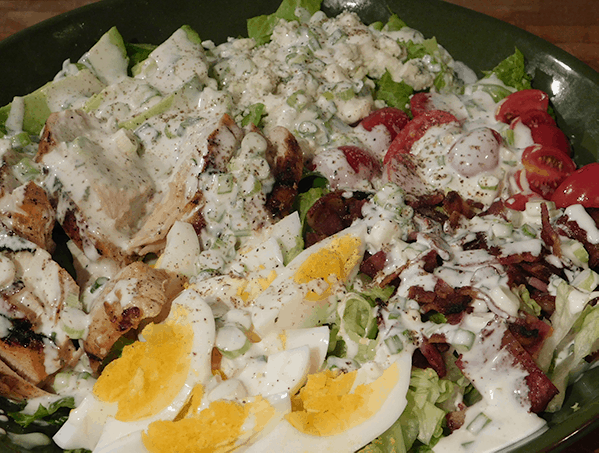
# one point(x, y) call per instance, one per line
point(575, 251)
point(20, 140)
point(502, 230)
point(346, 94)
point(232, 341)
point(26, 169)
point(587, 280)
point(463, 339)
point(298, 100)
point(487, 182)
point(224, 183)
point(529, 230)
point(97, 284)
point(336, 36)
point(479, 422)
point(395, 344)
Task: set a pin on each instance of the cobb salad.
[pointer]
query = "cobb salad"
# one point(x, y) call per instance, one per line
point(329, 236)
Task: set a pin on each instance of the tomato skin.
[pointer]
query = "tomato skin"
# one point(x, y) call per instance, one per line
point(535, 118)
point(581, 187)
point(390, 117)
point(420, 103)
point(521, 101)
point(415, 129)
point(548, 135)
point(518, 201)
point(360, 159)
point(546, 168)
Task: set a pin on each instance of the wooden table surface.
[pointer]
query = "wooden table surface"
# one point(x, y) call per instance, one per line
point(572, 25)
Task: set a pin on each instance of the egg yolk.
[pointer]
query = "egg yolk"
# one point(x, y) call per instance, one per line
point(149, 374)
point(326, 406)
point(252, 287)
point(220, 427)
point(333, 263)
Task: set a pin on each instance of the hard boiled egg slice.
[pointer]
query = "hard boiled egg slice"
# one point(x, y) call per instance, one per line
point(299, 296)
point(222, 426)
point(152, 379)
point(181, 250)
point(280, 363)
point(332, 414)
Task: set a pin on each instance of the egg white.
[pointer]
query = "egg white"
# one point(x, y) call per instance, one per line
point(93, 424)
point(283, 304)
point(285, 437)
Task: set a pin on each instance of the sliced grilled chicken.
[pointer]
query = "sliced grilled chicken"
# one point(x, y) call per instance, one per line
point(137, 293)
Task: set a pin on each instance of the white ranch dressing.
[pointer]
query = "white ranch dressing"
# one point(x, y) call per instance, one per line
point(504, 391)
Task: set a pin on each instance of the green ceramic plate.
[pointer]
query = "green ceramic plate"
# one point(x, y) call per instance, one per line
point(32, 57)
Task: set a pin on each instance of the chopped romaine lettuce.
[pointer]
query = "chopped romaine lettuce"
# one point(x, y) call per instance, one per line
point(586, 331)
point(394, 23)
point(512, 71)
point(256, 112)
point(395, 94)
point(50, 414)
point(421, 424)
point(260, 28)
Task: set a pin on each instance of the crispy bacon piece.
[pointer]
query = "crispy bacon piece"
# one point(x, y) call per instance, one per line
point(535, 277)
point(433, 357)
point(509, 352)
point(540, 388)
point(426, 205)
point(497, 208)
point(548, 234)
point(455, 207)
point(545, 300)
point(530, 332)
point(372, 264)
point(432, 260)
point(451, 302)
point(331, 214)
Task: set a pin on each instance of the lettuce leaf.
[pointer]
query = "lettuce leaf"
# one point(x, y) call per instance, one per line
point(50, 414)
point(256, 112)
point(512, 71)
point(394, 23)
point(421, 424)
point(418, 50)
point(585, 342)
point(562, 320)
point(395, 94)
point(260, 28)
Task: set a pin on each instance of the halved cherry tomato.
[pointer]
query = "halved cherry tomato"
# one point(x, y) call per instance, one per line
point(548, 135)
point(518, 178)
point(519, 102)
point(390, 117)
point(360, 160)
point(546, 168)
point(415, 129)
point(420, 103)
point(518, 201)
point(581, 187)
point(534, 118)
